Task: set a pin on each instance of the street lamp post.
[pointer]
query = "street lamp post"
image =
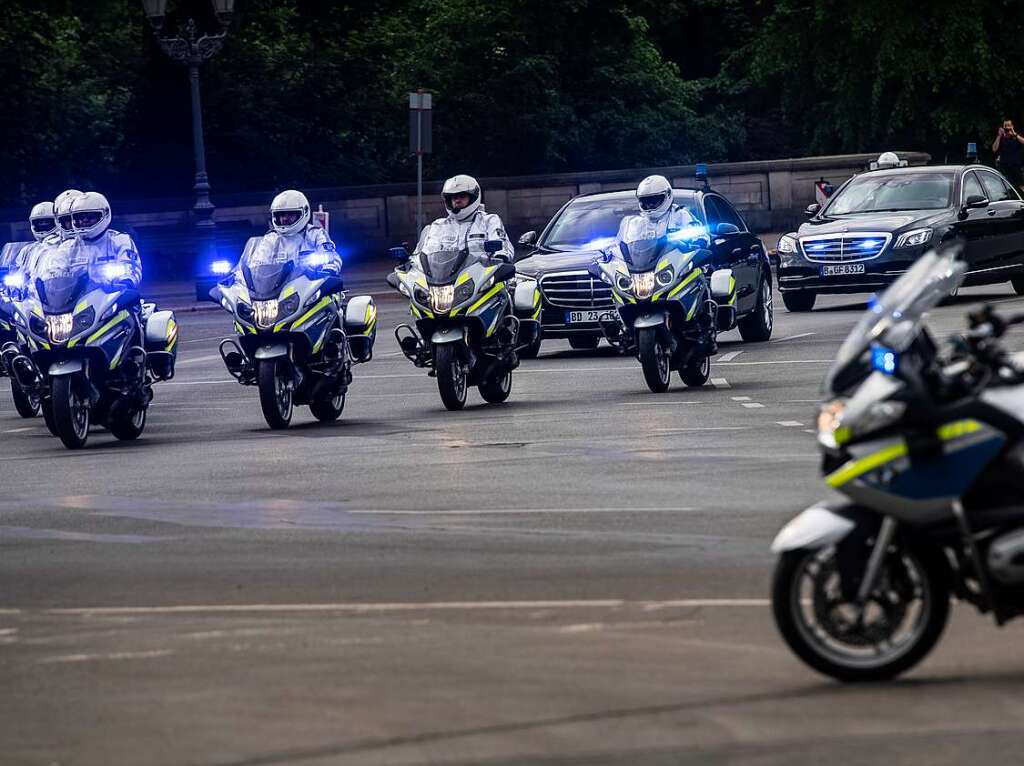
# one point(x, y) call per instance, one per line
point(191, 51)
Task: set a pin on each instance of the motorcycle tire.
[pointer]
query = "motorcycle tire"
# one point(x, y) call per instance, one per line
point(125, 423)
point(274, 382)
point(696, 372)
point(451, 377)
point(869, 664)
point(46, 407)
point(26, 404)
point(496, 388)
point(655, 360)
point(328, 410)
point(71, 412)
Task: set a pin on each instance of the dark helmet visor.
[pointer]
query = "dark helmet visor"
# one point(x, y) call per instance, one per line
point(652, 201)
point(43, 225)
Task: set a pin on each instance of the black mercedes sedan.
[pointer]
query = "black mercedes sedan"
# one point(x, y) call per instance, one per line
point(878, 223)
point(574, 301)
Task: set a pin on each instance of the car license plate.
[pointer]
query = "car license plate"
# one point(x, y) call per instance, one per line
point(576, 317)
point(841, 269)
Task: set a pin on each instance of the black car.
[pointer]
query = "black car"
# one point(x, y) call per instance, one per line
point(574, 301)
point(878, 223)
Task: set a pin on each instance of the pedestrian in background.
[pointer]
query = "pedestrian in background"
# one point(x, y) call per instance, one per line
point(1007, 148)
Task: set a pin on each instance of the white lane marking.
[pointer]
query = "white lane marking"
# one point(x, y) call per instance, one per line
point(198, 382)
point(720, 383)
point(412, 606)
point(700, 428)
point(515, 511)
point(788, 361)
point(198, 359)
point(202, 340)
point(800, 401)
point(728, 357)
point(793, 337)
point(789, 423)
point(19, 430)
point(740, 398)
point(810, 431)
point(112, 656)
point(753, 405)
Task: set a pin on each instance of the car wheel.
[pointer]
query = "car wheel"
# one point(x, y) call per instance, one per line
point(799, 301)
point(757, 327)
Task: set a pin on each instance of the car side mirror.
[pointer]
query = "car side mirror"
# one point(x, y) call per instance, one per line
point(725, 229)
point(974, 201)
point(392, 280)
point(529, 239)
point(493, 246)
point(812, 209)
point(398, 253)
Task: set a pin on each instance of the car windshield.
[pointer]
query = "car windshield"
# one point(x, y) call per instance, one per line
point(897, 313)
point(592, 224)
point(267, 263)
point(876, 193)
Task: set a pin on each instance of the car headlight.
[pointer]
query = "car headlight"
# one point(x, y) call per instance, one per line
point(466, 290)
point(58, 327)
point(643, 284)
point(624, 283)
point(913, 238)
point(441, 297)
point(787, 244)
point(834, 430)
point(265, 312)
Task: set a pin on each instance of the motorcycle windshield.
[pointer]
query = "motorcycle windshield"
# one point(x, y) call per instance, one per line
point(441, 266)
point(267, 265)
point(62, 276)
point(643, 254)
point(896, 314)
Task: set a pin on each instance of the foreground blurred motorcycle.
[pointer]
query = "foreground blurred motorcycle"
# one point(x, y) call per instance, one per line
point(926, 445)
point(467, 329)
point(91, 350)
point(12, 282)
point(667, 312)
point(298, 336)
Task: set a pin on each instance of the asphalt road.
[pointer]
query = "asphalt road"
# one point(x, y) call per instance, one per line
point(575, 577)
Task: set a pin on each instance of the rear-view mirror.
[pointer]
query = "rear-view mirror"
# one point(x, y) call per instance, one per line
point(398, 253)
point(528, 239)
point(975, 200)
point(493, 246)
point(725, 229)
point(812, 209)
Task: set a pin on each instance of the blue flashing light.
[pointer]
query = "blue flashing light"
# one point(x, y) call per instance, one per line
point(884, 360)
point(14, 280)
point(817, 248)
point(220, 267)
point(701, 171)
point(113, 271)
point(874, 304)
point(869, 244)
point(687, 232)
point(599, 244)
point(316, 260)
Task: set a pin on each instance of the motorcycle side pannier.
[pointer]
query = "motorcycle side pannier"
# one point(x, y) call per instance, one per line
point(161, 344)
point(361, 326)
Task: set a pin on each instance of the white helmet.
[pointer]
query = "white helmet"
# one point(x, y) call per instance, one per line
point(42, 221)
point(654, 196)
point(90, 215)
point(289, 212)
point(461, 185)
point(62, 211)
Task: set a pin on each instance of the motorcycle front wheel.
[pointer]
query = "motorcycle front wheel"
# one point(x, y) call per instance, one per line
point(26, 404)
point(71, 414)
point(275, 384)
point(654, 359)
point(451, 376)
point(894, 630)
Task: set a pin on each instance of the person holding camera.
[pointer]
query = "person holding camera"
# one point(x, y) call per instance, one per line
point(1007, 148)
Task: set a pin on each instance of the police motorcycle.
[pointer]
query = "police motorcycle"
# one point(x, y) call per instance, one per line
point(668, 315)
point(26, 403)
point(297, 335)
point(926, 444)
point(469, 324)
point(93, 350)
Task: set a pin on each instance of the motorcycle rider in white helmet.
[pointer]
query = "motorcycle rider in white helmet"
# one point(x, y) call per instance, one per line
point(42, 222)
point(467, 223)
point(293, 236)
point(62, 211)
point(658, 215)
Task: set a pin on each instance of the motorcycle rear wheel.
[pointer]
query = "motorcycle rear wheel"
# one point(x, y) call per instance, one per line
point(825, 632)
point(274, 382)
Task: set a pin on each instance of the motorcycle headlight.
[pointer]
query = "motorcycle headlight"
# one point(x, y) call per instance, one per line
point(244, 311)
point(464, 292)
point(643, 284)
point(441, 297)
point(265, 312)
point(37, 326)
point(836, 429)
point(287, 307)
point(84, 319)
point(58, 327)
point(421, 296)
point(665, 276)
point(787, 244)
point(913, 238)
point(624, 283)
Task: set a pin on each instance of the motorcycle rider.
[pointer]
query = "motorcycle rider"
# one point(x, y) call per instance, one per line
point(467, 224)
point(62, 211)
point(291, 227)
point(659, 215)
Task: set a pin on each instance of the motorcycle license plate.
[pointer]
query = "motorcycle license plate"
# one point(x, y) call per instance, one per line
point(578, 317)
point(842, 269)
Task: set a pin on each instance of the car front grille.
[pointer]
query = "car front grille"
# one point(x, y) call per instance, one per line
point(844, 248)
point(575, 290)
